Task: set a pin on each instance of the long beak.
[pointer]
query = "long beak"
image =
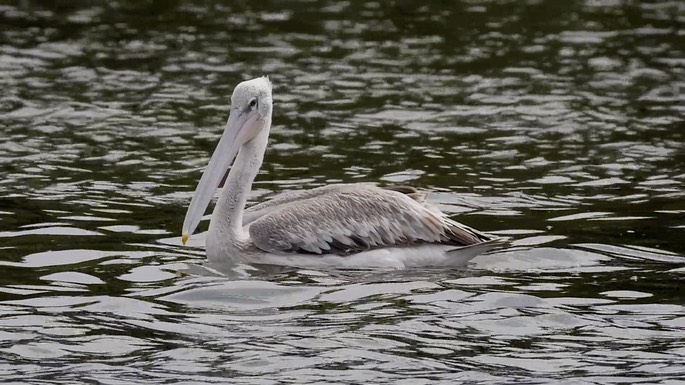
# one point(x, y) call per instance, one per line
point(240, 129)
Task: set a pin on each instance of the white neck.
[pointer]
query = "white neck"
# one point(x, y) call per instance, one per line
point(227, 217)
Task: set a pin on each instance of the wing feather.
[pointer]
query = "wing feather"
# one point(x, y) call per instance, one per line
point(352, 218)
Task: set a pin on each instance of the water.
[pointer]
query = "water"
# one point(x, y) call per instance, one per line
point(560, 125)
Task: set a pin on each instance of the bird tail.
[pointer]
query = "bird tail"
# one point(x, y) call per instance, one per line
point(459, 256)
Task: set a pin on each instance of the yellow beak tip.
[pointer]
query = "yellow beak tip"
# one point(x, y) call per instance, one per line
point(184, 238)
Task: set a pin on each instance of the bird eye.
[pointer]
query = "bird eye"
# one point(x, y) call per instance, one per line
point(253, 102)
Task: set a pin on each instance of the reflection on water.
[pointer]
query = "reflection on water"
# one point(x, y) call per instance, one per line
point(556, 124)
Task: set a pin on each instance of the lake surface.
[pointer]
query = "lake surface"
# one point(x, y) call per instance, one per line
point(559, 124)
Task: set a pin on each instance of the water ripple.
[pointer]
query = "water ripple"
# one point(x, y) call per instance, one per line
point(566, 137)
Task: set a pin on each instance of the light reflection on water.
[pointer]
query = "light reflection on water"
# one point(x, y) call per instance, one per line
point(556, 125)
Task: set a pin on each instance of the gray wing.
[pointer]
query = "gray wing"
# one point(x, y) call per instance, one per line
point(259, 210)
point(345, 219)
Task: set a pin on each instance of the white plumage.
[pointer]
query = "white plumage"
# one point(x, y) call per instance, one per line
point(345, 225)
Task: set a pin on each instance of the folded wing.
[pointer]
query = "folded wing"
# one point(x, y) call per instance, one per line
point(345, 219)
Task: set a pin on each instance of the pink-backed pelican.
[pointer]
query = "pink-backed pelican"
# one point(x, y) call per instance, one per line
point(341, 225)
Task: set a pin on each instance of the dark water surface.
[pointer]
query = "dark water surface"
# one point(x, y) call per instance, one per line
point(557, 123)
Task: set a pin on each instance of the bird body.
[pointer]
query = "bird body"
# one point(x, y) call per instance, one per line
point(341, 225)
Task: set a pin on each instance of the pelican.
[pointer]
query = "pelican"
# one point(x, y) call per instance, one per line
point(341, 225)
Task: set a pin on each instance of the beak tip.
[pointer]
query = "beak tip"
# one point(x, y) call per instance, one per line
point(184, 238)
